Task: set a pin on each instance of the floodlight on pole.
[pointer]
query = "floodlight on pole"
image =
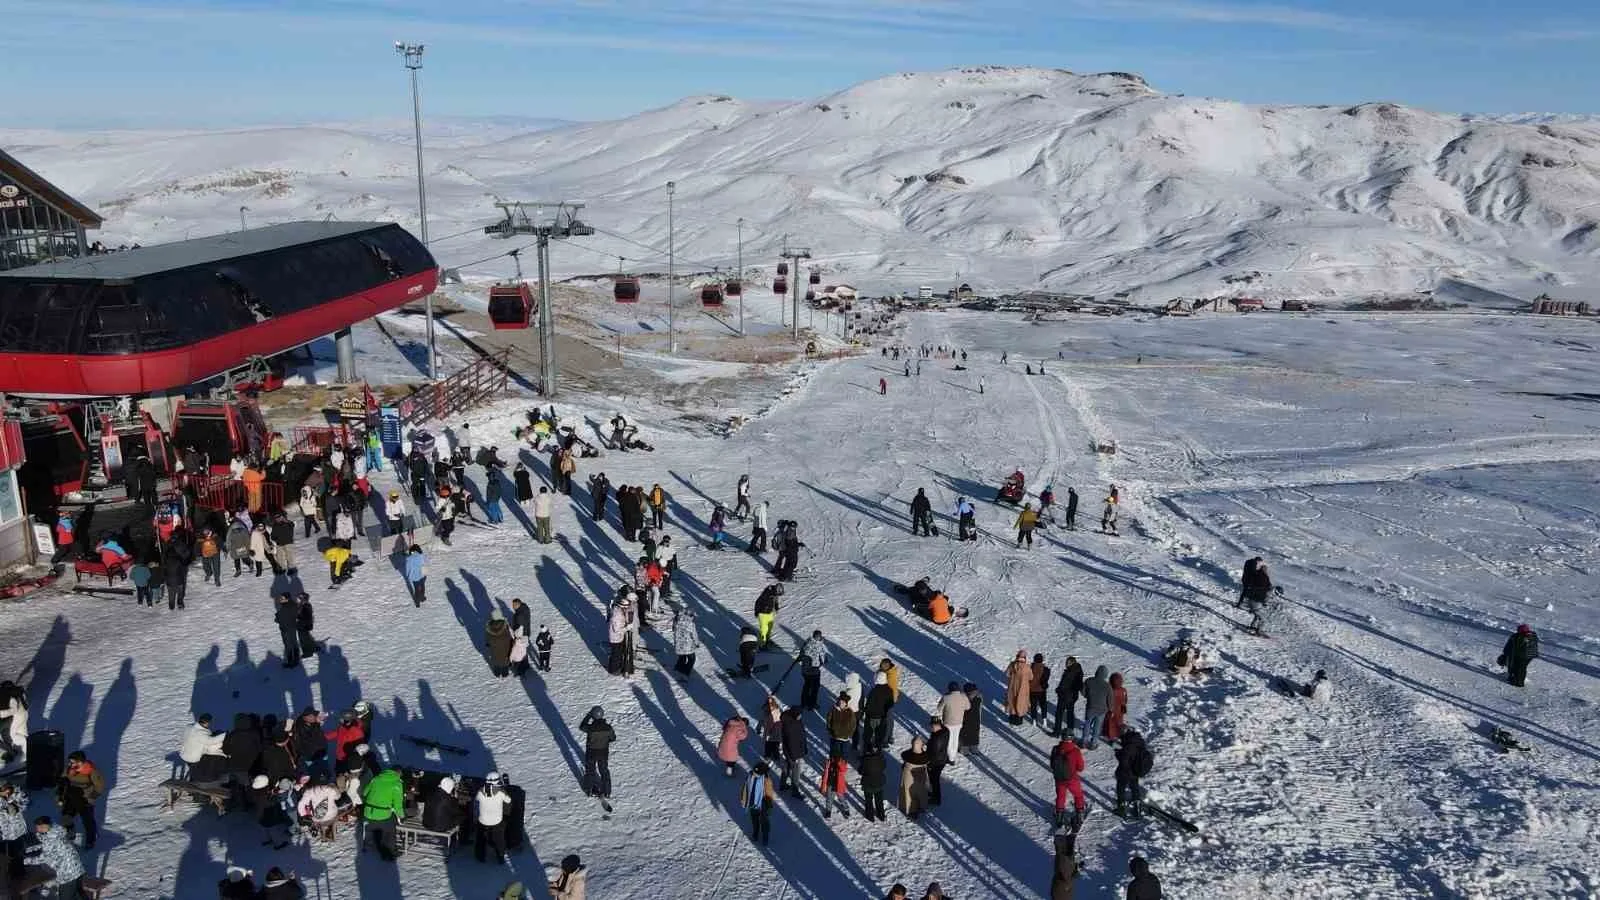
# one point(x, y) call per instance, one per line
point(672, 334)
point(242, 211)
point(739, 273)
point(413, 62)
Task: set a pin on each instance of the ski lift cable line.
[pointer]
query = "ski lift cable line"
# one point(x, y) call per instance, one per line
point(657, 250)
point(474, 230)
point(475, 262)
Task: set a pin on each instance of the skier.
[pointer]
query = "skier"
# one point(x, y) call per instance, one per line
point(1096, 703)
point(685, 640)
point(813, 656)
point(758, 534)
point(767, 612)
point(1072, 509)
point(497, 644)
point(287, 617)
point(873, 780)
point(569, 885)
point(914, 779)
point(1108, 515)
point(1134, 761)
point(875, 713)
point(492, 802)
point(417, 574)
point(1521, 648)
point(967, 517)
point(1018, 677)
point(734, 732)
point(1038, 691)
point(541, 515)
point(1145, 885)
point(1027, 520)
point(793, 729)
point(1066, 767)
point(1255, 588)
point(758, 797)
point(598, 738)
point(1067, 690)
point(1119, 709)
point(921, 514)
point(741, 508)
point(382, 804)
point(599, 489)
point(938, 757)
point(788, 546)
point(717, 527)
point(543, 644)
point(971, 723)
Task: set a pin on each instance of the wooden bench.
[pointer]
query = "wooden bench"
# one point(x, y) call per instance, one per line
point(411, 835)
point(98, 569)
point(177, 789)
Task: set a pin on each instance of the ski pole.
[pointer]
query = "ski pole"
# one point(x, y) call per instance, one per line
point(784, 676)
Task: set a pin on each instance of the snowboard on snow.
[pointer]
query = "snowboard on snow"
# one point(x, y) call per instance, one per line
point(1507, 741)
point(1172, 818)
point(431, 744)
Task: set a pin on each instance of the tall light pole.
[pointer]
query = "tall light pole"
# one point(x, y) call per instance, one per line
point(740, 270)
point(413, 61)
point(242, 211)
point(672, 334)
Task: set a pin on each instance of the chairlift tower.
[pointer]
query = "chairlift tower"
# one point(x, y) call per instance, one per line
point(794, 255)
point(542, 220)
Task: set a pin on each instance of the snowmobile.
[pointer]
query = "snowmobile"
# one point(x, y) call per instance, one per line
point(1011, 490)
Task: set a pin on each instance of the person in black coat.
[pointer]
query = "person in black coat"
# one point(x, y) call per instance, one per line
point(277, 756)
point(242, 745)
point(524, 483)
point(288, 618)
point(599, 489)
point(938, 757)
point(1129, 750)
point(310, 744)
point(441, 811)
point(921, 514)
point(1067, 691)
point(971, 722)
point(179, 553)
point(1145, 885)
point(1072, 508)
point(794, 749)
point(873, 780)
point(1521, 649)
point(598, 738)
point(282, 533)
point(305, 620)
point(875, 713)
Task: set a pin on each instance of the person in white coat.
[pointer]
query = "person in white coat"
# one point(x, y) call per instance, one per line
point(14, 718)
point(493, 804)
point(953, 707)
point(202, 751)
point(758, 534)
point(741, 509)
point(1320, 690)
point(685, 640)
point(619, 633)
point(542, 503)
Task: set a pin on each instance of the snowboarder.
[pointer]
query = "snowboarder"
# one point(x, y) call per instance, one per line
point(685, 640)
point(1096, 704)
point(1521, 648)
point(758, 797)
point(543, 644)
point(1038, 691)
point(1119, 709)
point(938, 757)
point(1145, 885)
point(813, 656)
point(1072, 509)
point(914, 779)
point(734, 733)
point(967, 519)
point(492, 802)
point(598, 738)
point(1067, 690)
point(741, 507)
point(497, 644)
point(767, 612)
point(873, 780)
point(541, 515)
point(921, 514)
point(1066, 767)
point(1134, 761)
point(1018, 677)
point(971, 722)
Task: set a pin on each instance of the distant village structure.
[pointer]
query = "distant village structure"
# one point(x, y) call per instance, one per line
point(1544, 305)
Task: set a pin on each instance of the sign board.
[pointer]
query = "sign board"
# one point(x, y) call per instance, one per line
point(389, 430)
point(12, 197)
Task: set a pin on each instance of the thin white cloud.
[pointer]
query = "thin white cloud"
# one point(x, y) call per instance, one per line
point(1557, 35)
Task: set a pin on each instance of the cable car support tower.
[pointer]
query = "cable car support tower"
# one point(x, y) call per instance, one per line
point(543, 221)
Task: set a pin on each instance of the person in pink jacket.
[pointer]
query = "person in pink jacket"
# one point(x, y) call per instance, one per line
point(734, 733)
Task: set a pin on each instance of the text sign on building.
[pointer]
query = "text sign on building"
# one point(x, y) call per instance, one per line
point(11, 197)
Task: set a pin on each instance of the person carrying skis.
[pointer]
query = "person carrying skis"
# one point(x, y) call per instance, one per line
point(813, 656)
point(767, 612)
point(1096, 703)
point(921, 514)
point(1072, 509)
point(1134, 761)
point(1067, 690)
point(741, 508)
point(757, 798)
point(598, 738)
point(734, 732)
point(718, 527)
point(1018, 678)
point(1066, 767)
point(1521, 649)
point(1027, 520)
point(966, 519)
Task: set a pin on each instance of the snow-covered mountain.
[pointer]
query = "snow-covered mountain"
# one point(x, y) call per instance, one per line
point(1001, 177)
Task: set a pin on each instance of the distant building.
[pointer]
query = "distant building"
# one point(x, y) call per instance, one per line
point(1246, 304)
point(1546, 306)
point(843, 293)
point(925, 293)
point(38, 221)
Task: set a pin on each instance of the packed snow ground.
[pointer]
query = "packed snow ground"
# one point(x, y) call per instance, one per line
point(1419, 484)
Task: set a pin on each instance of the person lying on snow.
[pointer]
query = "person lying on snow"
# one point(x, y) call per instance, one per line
point(1185, 657)
point(927, 602)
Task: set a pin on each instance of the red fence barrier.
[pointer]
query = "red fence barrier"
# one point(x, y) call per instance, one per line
point(224, 494)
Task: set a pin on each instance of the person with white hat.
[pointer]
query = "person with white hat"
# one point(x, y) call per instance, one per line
point(492, 803)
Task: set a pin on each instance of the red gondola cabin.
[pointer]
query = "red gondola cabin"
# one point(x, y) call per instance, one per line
point(511, 305)
point(711, 296)
point(626, 289)
point(780, 286)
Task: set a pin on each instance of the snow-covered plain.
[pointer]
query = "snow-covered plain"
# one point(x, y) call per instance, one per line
point(1002, 177)
point(1420, 484)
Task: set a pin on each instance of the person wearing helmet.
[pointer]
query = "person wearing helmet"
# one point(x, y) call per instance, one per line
point(598, 738)
point(442, 811)
point(492, 802)
point(1027, 520)
point(767, 612)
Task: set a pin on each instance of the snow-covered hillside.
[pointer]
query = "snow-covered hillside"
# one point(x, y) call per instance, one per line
point(1002, 177)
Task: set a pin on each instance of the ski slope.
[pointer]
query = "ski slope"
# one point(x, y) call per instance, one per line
point(1418, 484)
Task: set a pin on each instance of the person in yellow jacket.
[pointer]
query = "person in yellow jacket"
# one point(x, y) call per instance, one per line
point(892, 673)
point(337, 558)
point(1027, 520)
point(658, 506)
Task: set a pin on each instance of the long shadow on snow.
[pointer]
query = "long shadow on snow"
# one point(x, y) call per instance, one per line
point(827, 869)
point(574, 605)
point(693, 522)
point(1360, 625)
point(47, 663)
point(1107, 637)
point(1135, 571)
point(856, 503)
point(1106, 569)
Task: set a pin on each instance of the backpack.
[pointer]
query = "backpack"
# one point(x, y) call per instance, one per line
point(1058, 766)
point(1144, 762)
point(1533, 645)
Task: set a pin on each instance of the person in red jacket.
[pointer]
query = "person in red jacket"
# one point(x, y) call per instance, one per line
point(1119, 709)
point(1066, 766)
point(347, 735)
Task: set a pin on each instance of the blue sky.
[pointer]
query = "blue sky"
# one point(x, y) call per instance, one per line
point(78, 63)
